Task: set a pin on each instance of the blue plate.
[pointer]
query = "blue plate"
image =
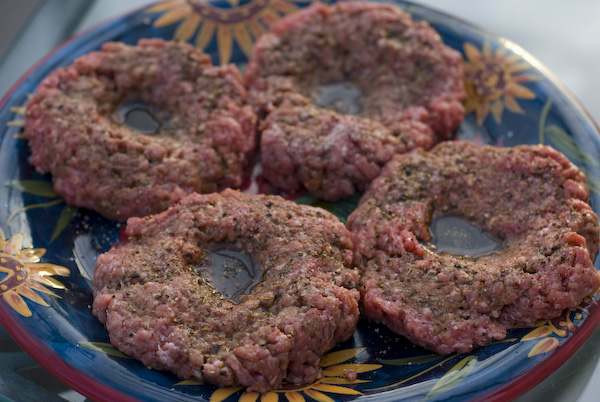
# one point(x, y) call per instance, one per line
point(48, 249)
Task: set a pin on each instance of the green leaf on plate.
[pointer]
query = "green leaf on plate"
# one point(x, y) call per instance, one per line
point(106, 348)
point(33, 206)
point(342, 370)
point(35, 187)
point(505, 340)
point(542, 121)
point(564, 143)
point(455, 375)
point(66, 216)
point(407, 361)
point(594, 184)
point(188, 382)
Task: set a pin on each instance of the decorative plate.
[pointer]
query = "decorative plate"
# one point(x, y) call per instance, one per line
point(48, 249)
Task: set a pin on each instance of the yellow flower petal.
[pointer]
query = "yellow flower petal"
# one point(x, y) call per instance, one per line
point(188, 27)
point(223, 393)
point(2, 240)
point(497, 109)
point(481, 112)
point(340, 381)
point(243, 38)
point(469, 107)
point(42, 288)
point(544, 346)
point(539, 332)
point(557, 331)
point(520, 91)
point(518, 67)
point(340, 356)
point(294, 396)
point(512, 105)
point(512, 58)
point(318, 396)
point(342, 370)
point(471, 52)
point(335, 389)
point(34, 297)
point(31, 254)
point(525, 78)
point(15, 244)
point(269, 16)
point(17, 303)
point(173, 16)
point(205, 35)
point(49, 281)
point(560, 332)
point(269, 397)
point(255, 28)
point(249, 397)
point(224, 42)
point(44, 269)
point(165, 5)
point(487, 50)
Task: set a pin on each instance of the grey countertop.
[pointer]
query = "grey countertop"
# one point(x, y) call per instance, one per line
point(565, 36)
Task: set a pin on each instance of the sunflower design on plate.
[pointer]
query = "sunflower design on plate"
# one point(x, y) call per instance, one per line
point(240, 20)
point(549, 332)
point(339, 377)
point(493, 81)
point(22, 273)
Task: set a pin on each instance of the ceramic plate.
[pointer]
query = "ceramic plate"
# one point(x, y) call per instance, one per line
point(48, 249)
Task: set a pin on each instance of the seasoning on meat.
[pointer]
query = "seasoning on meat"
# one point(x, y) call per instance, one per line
point(345, 87)
point(158, 298)
point(530, 197)
point(205, 132)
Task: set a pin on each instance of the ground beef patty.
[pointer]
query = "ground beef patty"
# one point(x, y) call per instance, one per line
point(154, 294)
point(347, 86)
point(531, 197)
point(76, 132)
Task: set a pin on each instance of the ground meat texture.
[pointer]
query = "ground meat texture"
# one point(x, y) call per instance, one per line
point(531, 197)
point(153, 291)
point(206, 133)
point(405, 92)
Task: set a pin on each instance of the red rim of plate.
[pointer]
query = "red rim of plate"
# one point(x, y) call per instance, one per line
point(95, 390)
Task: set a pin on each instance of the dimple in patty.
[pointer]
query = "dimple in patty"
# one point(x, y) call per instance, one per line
point(530, 197)
point(231, 289)
point(343, 97)
point(199, 137)
point(344, 88)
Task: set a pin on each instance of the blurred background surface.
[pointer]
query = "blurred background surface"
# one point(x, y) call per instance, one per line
point(565, 36)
